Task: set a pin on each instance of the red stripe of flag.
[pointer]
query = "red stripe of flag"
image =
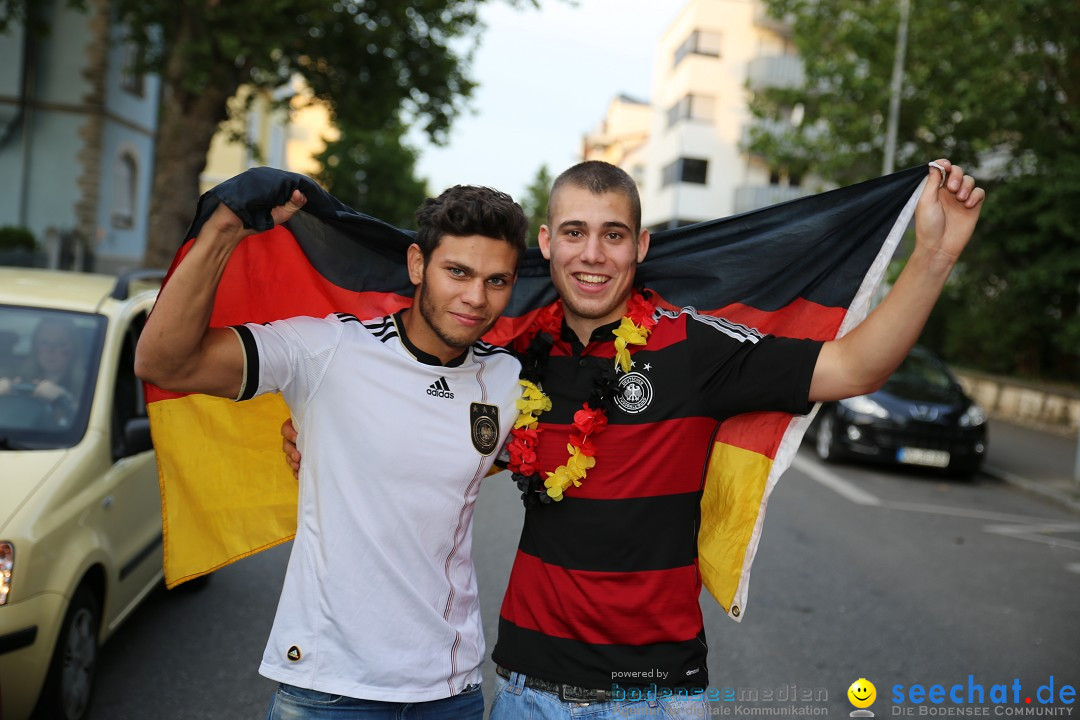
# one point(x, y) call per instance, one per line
point(269, 278)
point(758, 432)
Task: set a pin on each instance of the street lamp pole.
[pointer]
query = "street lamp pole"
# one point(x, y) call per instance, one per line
point(897, 85)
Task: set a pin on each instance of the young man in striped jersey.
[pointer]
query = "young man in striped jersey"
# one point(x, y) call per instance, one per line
point(402, 417)
point(605, 584)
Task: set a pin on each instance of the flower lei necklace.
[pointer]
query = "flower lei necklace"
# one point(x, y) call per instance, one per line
point(589, 421)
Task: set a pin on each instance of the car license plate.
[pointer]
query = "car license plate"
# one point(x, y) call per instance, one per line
point(918, 456)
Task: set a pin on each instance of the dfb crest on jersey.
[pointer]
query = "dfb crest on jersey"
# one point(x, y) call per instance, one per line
point(635, 393)
point(484, 421)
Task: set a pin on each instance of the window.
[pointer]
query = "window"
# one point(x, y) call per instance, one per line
point(685, 170)
point(35, 342)
point(699, 42)
point(130, 79)
point(691, 107)
point(125, 181)
point(129, 402)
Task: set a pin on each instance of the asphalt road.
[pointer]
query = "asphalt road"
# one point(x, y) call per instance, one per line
point(1035, 455)
point(900, 578)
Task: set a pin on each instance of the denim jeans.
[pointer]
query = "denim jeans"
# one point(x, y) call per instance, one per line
point(514, 701)
point(294, 703)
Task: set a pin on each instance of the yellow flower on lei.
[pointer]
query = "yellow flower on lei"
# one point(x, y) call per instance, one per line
point(532, 402)
point(628, 334)
point(572, 473)
point(578, 463)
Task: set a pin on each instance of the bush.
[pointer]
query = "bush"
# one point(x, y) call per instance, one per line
point(16, 238)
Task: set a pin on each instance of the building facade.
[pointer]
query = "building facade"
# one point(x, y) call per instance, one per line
point(622, 136)
point(77, 132)
point(693, 165)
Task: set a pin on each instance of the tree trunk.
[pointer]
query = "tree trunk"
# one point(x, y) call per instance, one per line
point(187, 125)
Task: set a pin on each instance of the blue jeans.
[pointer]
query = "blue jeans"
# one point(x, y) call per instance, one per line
point(294, 703)
point(514, 701)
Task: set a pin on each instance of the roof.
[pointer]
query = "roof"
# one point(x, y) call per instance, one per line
point(623, 97)
point(54, 288)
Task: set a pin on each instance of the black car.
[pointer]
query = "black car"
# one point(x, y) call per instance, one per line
point(920, 417)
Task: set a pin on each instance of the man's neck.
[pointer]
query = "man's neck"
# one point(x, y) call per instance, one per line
point(421, 337)
point(584, 327)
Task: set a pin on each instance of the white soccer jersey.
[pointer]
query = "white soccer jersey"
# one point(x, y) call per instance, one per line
point(380, 599)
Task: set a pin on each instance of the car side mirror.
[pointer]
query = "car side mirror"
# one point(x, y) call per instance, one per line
point(137, 436)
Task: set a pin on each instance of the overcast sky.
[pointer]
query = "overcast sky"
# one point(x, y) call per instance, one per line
point(545, 79)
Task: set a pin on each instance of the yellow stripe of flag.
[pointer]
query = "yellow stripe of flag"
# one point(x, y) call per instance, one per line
point(731, 508)
point(221, 506)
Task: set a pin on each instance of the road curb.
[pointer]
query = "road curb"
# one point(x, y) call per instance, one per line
point(1031, 486)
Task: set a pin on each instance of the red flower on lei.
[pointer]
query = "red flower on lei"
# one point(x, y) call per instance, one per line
point(522, 450)
point(549, 320)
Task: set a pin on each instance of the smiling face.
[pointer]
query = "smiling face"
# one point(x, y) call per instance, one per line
point(594, 250)
point(862, 693)
point(461, 291)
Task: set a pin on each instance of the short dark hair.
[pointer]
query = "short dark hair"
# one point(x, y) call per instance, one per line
point(599, 177)
point(465, 210)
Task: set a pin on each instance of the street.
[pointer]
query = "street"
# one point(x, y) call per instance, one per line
point(902, 578)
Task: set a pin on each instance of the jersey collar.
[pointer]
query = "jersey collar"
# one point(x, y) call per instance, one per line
point(600, 334)
point(420, 355)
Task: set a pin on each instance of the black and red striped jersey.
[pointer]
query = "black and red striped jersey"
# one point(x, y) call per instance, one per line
point(605, 583)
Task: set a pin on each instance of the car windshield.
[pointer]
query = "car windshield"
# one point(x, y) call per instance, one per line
point(48, 366)
point(924, 373)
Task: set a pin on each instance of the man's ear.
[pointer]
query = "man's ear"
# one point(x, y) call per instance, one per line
point(543, 239)
point(643, 244)
point(415, 261)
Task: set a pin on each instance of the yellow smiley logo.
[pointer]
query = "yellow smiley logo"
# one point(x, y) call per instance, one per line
point(862, 693)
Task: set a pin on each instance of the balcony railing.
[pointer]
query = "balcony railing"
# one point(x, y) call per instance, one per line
point(752, 197)
point(776, 71)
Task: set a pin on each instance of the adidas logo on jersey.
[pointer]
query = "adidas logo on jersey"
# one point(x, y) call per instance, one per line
point(440, 389)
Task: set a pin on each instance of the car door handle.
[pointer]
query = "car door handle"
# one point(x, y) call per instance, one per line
point(107, 502)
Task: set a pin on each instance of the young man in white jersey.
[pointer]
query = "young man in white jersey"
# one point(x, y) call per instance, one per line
point(378, 615)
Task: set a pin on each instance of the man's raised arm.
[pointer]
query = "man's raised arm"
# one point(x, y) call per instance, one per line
point(178, 350)
point(861, 361)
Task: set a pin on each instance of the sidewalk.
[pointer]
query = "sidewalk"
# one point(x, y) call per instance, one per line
point(1037, 461)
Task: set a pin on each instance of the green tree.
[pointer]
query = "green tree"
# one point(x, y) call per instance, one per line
point(374, 171)
point(1016, 305)
point(1008, 78)
point(992, 85)
point(535, 201)
point(369, 59)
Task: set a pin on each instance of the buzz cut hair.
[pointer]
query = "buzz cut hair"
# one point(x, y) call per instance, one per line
point(599, 177)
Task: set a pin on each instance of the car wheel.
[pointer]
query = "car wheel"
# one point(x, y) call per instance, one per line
point(825, 442)
point(70, 681)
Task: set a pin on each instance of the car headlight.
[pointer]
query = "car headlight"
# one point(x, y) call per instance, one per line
point(974, 416)
point(7, 562)
point(863, 405)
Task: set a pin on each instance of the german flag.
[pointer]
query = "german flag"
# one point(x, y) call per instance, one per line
point(805, 268)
